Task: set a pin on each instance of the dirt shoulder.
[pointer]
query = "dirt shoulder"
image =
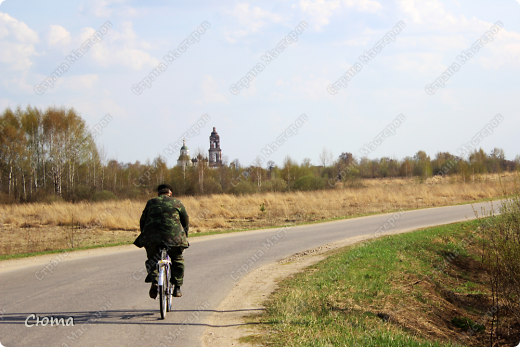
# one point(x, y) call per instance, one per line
point(228, 323)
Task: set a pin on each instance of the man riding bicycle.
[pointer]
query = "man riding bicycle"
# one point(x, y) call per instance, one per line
point(164, 222)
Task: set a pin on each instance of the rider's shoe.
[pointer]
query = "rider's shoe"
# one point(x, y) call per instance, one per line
point(153, 291)
point(177, 292)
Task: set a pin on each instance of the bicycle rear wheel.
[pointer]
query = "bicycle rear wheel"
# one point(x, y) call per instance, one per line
point(163, 283)
point(169, 289)
point(163, 300)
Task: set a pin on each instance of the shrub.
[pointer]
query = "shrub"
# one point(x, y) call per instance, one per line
point(4, 198)
point(103, 195)
point(132, 193)
point(82, 192)
point(211, 186)
point(274, 185)
point(50, 199)
point(501, 234)
point(243, 187)
point(309, 182)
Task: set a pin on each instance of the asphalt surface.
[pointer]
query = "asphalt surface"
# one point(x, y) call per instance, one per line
point(108, 300)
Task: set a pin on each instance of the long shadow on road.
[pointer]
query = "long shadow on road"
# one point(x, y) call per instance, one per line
point(111, 317)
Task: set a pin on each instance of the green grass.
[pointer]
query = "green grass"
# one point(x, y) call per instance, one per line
point(54, 251)
point(337, 301)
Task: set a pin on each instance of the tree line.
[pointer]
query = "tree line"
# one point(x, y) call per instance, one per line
point(51, 155)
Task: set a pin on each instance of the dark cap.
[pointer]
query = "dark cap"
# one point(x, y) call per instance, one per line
point(164, 189)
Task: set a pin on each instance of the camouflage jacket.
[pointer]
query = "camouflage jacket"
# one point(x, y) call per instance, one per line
point(164, 220)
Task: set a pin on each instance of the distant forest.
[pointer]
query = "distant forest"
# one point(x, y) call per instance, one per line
point(51, 156)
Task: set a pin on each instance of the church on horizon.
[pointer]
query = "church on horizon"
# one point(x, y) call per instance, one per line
point(215, 153)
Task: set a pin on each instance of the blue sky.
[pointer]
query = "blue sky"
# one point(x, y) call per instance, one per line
point(36, 37)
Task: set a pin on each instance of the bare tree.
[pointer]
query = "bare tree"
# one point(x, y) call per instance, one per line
point(306, 162)
point(201, 167)
point(326, 157)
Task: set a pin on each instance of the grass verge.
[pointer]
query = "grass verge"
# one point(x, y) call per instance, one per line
point(54, 251)
point(425, 288)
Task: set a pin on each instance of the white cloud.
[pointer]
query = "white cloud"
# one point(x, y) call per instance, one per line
point(364, 5)
point(135, 59)
point(448, 31)
point(98, 109)
point(16, 43)
point(58, 35)
point(416, 62)
point(98, 8)
point(251, 91)
point(310, 88)
point(434, 15)
point(251, 21)
point(117, 48)
point(20, 46)
point(254, 17)
point(505, 50)
point(109, 8)
point(64, 84)
point(319, 11)
point(16, 55)
point(209, 88)
point(12, 28)
point(79, 82)
point(18, 82)
point(126, 32)
point(433, 43)
point(110, 106)
point(359, 41)
point(301, 88)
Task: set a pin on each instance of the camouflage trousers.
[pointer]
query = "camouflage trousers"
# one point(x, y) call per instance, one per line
point(177, 267)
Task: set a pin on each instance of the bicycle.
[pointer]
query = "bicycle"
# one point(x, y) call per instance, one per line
point(165, 288)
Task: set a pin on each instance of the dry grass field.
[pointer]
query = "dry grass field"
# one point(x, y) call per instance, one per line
point(39, 227)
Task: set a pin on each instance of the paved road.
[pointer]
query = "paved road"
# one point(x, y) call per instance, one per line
point(109, 303)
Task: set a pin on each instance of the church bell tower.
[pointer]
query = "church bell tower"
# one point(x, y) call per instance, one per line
point(215, 154)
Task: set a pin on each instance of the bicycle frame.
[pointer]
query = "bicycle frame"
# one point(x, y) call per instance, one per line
point(164, 266)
